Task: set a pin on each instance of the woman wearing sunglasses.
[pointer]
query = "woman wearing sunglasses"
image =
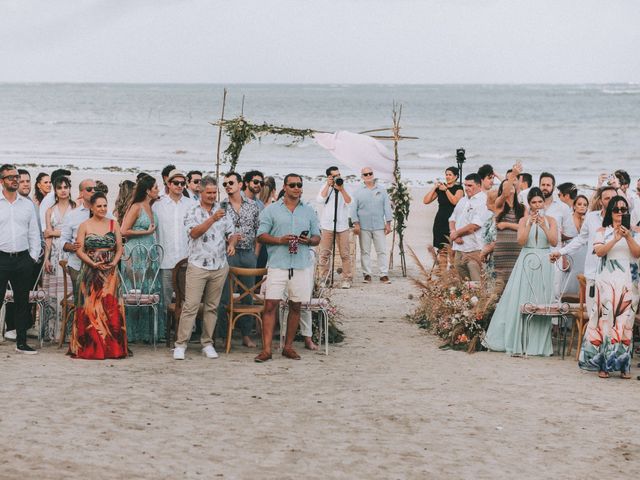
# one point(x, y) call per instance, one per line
point(606, 346)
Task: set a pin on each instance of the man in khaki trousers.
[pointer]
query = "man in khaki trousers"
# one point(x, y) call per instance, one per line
point(210, 241)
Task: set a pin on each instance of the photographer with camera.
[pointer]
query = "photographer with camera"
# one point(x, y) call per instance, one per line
point(334, 220)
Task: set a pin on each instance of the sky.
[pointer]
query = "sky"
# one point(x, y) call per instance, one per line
point(322, 41)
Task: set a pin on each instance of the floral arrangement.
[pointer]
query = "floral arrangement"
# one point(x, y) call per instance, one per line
point(400, 204)
point(240, 132)
point(456, 311)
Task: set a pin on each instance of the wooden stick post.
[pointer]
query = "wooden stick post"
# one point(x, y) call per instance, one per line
point(396, 115)
point(224, 101)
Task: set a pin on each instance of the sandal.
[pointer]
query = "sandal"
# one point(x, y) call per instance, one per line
point(625, 375)
point(289, 352)
point(262, 357)
point(603, 374)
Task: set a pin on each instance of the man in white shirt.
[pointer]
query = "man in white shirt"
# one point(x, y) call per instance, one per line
point(525, 180)
point(171, 210)
point(334, 188)
point(20, 248)
point(192, 190)
point(465, 225)
point(556, 208)
point(592, 222)
point(69, 229)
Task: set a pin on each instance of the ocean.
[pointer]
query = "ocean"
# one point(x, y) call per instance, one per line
point(574, 131)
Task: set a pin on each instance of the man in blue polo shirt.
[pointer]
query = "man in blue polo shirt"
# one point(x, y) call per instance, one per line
point(288, 228)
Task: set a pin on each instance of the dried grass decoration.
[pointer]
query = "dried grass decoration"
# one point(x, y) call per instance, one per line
point(456, 311)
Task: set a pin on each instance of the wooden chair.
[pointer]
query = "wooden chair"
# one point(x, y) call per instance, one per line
point(235, 307)
point(581, 315)
point(174, 309)
point(67, 304)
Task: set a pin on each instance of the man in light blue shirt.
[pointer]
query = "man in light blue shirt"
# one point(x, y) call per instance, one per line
point(288, 228)
point(371, 216)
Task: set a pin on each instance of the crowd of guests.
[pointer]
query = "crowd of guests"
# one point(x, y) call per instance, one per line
point(534, 241)
point(184, 217)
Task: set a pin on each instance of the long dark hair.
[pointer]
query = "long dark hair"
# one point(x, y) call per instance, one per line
point(39, 195)
point(94, 198)
point(144, 184)
point(517, 208)
point(607, 221)
point(63, 181)
point(533, 193)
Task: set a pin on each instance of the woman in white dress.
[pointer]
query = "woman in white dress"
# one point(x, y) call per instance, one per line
point(53, 282)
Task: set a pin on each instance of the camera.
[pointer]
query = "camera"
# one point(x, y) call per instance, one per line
point(339, 181)
point(460, 158)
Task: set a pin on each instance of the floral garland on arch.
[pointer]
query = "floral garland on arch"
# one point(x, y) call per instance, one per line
point(240, 132)
point(400, 203)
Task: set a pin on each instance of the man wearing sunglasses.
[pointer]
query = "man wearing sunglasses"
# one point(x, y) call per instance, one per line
point(20, 248)
point(244, 213)
point(69, 229)
point(288, 227)
point(192, 190)
point(371, 215)
point(335, 188)
point(253, 182)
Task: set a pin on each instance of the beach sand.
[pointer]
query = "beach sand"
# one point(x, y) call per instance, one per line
point(386, 403)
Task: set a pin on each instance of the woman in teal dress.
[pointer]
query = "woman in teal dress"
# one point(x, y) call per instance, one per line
point(531, 281)
point(138, 228)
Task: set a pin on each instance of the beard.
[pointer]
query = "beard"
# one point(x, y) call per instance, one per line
point(546, 194)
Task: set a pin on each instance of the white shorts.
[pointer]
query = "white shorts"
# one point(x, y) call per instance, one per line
point(298, 287)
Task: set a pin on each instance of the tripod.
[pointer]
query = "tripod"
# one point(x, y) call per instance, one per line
point(335, 222)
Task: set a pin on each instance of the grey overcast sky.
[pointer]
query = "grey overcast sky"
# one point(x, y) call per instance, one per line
point(322, 41)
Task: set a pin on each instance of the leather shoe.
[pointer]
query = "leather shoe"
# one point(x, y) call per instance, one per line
point(289, 352)
point(262, 357)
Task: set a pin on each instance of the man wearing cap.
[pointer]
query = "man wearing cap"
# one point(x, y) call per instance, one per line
point(171, 210)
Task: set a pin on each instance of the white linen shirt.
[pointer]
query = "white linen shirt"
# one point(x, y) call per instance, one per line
point(563, 216)
point(171, 233)
point(592, 222)
point(69, 232)
point(326, 217)
point(19, 227)
point(470, 211)
point(47, 202)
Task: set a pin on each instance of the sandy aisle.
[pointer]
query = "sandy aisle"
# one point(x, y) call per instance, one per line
point(386, 403)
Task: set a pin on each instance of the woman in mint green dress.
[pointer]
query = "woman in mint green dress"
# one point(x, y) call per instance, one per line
point(138, 227)
point(531, 281)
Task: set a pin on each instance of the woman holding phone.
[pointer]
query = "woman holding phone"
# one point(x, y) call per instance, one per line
point(98, 330)
point(536, 234)
point(606, 346)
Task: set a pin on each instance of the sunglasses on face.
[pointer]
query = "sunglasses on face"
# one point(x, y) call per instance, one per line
point(294, 185)
point(367, 174)
point(620, 210)
point(11, 177)
point(89, 189)
point(230, 183)
point(178, 183)
point(258, 182)
point(196, 181)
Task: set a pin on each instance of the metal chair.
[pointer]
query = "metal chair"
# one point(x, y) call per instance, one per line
point(318, 302)
point(174, 309)
point(37, 296)
point(546, 299)
point(238, 291)
point(140, 267)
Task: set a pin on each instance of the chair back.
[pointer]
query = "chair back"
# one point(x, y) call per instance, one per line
point(140, 267)
point(582, 290)
point(236, 285)
point(65, 277)
point(321, 281)
point(179, 281)
point(545, 297)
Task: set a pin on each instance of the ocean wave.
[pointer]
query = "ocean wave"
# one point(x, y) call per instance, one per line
point(625, 91)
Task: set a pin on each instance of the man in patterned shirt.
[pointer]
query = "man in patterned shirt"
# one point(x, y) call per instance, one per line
point(244, 213)
point(209, 228)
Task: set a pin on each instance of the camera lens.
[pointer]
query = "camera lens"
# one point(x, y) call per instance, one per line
point(339, 181)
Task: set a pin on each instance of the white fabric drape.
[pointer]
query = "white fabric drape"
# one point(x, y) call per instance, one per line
point(357, 151)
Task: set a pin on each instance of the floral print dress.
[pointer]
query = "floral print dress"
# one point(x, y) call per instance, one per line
point(607, 341)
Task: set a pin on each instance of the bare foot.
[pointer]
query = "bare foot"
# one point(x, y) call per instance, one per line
point(603, 374)
point(247, 342)
point(625, 375)
point(309, 345)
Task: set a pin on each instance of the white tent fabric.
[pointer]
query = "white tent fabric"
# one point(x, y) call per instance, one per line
point(357, 151)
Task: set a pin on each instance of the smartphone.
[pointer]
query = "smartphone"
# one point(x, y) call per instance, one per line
point(626, 221)
point(304, 233)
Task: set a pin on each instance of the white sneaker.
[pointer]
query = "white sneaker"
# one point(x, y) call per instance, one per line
point(10, 335)
point(178, 353)
point(209, 352)
point(345, 284)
